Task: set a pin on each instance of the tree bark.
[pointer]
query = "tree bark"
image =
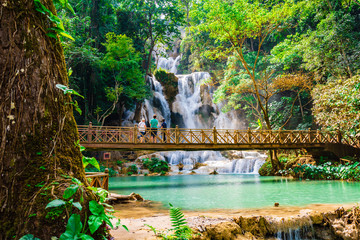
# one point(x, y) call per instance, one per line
point(138, 111)
point(38, 131)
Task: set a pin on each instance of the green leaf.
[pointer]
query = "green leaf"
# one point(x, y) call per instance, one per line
point(66, 90)
point(55, 203)
point(125, 227)
point(29, 237)
point(94, 223)
point(66, 34)
point(53, 35)
point(70, 71)
point(96, 208)
point(85, 237)
point(77, 205)
point(76, 181)
point(73, 228)
point(70, 191)
point(82, 148)
point(92, 161)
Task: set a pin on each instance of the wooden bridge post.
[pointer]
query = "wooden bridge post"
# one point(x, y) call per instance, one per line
point(318, 136)
point(89, 132)
point(280, 136)
point(215, 135)
point(177, 134)
point(236, 137)
point(339, 136)
point(135, 134)
point(106, 180)
point(310, 138)
point(249, 135)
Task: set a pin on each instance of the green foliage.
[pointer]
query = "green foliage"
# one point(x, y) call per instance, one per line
point(73, 229)
point(132, 169)
point(59, 27)
point(112, 171)
point(29, 237)
point(266, 169)
point(88, 160)
point(178, 222)
point(325, 41)
point(158, 22)
point(99, 216)
point(156, 165)
point(66, 90)
point(328, 171)
point(337, 105)
point(180, 230)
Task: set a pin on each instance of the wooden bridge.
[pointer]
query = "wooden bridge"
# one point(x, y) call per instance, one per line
point(129, 138)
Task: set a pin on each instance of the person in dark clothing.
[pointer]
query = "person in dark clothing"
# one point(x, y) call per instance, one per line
point(163, 129)
point(147, 128)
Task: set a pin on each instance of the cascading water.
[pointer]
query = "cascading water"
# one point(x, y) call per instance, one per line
point(194, 108)
point(169, 64)
point(158, 104)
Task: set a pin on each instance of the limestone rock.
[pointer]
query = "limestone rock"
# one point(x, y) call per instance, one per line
point(258, 226)
point(221, 231)
point(316, 217)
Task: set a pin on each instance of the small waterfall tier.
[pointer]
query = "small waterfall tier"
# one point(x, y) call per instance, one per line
point(205, 162)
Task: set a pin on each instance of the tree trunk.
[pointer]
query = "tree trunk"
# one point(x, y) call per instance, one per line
point(138, 111)
point(38, 131)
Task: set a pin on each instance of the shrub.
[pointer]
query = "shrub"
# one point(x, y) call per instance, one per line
point(155, 165)
point(329, 171)
point(132, 169)
point(265, 169)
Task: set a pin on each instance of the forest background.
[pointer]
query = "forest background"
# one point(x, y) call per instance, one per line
point(285, 64)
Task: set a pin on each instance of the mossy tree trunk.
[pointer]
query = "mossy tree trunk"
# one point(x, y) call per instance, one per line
point(37, 130)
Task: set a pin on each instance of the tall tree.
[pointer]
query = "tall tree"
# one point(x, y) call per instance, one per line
point(237, 22)
point(160, 22)
point(38, 130)
point(122, 68)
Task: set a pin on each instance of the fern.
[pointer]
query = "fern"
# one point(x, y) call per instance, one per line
point(178, 222)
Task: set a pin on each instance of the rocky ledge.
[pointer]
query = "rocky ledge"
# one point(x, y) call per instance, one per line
point(338, 224)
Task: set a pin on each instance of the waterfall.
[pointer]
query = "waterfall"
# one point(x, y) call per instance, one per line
point(158, 104)
point(189, 96)
point(169, 64)
point(214, 160)
point(194, 108)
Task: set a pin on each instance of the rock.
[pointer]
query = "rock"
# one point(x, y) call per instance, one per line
point(224, 230)
point(276, 204)
point(258, 226)
point(316, 217)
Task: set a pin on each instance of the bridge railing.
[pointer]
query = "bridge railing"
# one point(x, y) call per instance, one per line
point(96, 134)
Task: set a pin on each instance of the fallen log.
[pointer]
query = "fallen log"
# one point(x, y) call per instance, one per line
point(113, 197)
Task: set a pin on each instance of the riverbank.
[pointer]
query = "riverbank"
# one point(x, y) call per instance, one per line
point(136, 215)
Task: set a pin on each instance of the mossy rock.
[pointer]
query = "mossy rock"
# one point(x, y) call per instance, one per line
point(170, 83)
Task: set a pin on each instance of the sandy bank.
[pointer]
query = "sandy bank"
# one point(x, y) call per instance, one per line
point(136, 215)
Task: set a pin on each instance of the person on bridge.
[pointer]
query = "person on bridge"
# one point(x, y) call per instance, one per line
point(154, 125)
point(142, 129)
point(163, 129)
